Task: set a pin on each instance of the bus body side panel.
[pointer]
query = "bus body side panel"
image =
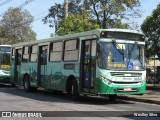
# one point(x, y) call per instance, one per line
point(54, 78)
point(21, 70)
point(57, 75)
point(31, 69)
point(70, 69)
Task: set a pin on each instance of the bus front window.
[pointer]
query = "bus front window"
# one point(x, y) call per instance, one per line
point(112, 55)
point(135, 55)
point(5, 61)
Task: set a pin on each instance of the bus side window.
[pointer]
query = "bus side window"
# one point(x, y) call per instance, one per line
point(25, 55)
point(33, 53)
point(71, 50)
point(44, 55)
point(56, 52)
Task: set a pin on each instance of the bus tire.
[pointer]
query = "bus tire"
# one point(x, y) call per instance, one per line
point(112, 98)
point(26, 85)
point(72, 89)
point(12, 84)
point(75, 90)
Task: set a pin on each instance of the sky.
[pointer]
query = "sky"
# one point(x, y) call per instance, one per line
point(39, 9)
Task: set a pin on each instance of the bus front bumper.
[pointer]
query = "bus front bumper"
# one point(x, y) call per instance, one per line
point(5, 79)
point(121, 89)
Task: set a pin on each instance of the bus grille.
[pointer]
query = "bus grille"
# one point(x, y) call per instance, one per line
point(125, 82)
point(124, 74)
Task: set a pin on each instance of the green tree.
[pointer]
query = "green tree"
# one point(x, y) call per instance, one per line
point(109, 13)
point(76, 23)
point(106, 13)
point(151, 28)
point(15, 26)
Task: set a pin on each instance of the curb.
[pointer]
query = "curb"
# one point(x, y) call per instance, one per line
point(153, 88)
point(138, 100)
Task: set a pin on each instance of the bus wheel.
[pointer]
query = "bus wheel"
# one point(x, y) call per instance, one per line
point(72, 90)
point(12, 84)
point(27, 83)
point(112, 98)
point(75, 90)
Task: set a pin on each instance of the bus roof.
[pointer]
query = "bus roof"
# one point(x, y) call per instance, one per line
point(5, 45)
point(74, 36)
point(122, 30)
point(57, 38)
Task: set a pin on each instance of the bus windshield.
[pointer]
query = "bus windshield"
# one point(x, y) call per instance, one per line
point(5, 49)
point(5, 61)
point(123, 56)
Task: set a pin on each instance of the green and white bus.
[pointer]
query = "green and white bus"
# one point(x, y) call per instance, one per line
point(99, 62)
point(5, 55)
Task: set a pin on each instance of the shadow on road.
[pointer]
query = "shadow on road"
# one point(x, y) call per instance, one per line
point(56, 96)
point(5, 85)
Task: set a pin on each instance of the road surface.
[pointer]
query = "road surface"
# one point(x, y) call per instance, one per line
point(17, 102)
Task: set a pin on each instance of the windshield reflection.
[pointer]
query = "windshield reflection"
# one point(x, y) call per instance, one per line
point(123, 56)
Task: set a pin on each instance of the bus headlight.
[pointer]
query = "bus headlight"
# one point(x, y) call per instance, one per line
point(101, 78)
point(105, 80)
point(109, 82)
point(5, 73)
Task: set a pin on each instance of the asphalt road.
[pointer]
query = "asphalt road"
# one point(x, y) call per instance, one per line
point(17, 102)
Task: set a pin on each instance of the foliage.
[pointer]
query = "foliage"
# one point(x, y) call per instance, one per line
point(106, 13)
point(76, 23)
point(15, 26)
point(151, 28)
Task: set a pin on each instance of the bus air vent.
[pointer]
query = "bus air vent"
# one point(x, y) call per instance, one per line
point(124, 74)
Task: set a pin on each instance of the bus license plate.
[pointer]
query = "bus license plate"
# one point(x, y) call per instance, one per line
point(127, 89)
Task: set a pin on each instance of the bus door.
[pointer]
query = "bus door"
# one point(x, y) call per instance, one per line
point(42, 65)
point(17, 67)
point(88, 65)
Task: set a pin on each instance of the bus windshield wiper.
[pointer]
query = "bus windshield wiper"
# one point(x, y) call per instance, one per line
point(119, 49)
point(132, 48)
